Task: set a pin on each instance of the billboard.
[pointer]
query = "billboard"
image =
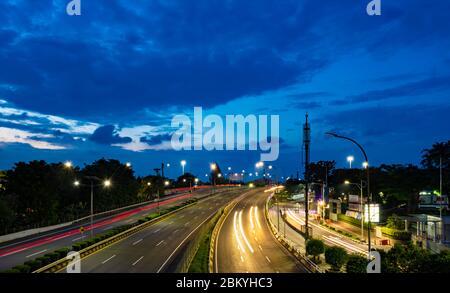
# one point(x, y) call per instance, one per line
point(374, 213)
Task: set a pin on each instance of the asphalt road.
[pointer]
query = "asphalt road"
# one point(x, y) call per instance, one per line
point(22, 250)
point(330, 237)
point(155, 249)
point(246, 244)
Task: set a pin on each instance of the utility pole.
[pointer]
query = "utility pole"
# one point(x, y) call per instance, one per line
point(306, 142)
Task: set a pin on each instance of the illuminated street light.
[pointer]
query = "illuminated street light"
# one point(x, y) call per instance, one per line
point(350, 159)
point(166, 183)
point(149, 183)
point(219, 175)
point(270, 167)
point(68, 164)
point(213, 167)
point(365, 165)
point(183, 163)
point(196, 180)
point(76, 183)
point(107, 183)
point(128, 164)
point(259, 165)
point(229, 168)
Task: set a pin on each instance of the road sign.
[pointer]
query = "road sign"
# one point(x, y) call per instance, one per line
point(81, 230)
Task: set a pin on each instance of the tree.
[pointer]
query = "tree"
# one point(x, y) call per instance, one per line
point(124, 188)
point(336, 257)
point(320, 170)
point(315, 247)
point(185, 180)
point(394, 222)
point(431, 157)
point(356, 264)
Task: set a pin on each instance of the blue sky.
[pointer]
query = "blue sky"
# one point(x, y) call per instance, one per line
point(107, 83)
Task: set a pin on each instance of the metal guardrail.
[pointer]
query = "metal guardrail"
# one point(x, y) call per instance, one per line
point(288, 244)
point(212, 244)
point(62, 263)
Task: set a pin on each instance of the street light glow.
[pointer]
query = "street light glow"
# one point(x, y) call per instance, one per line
point(107, 183)
point(128, 164)
point(68, 164)
point(365, 165)
point(213, 166)
point(346, 182)
point(183, 163)
point(76, 183)
point(166, 183)
point(259, 164)
point(350, 159)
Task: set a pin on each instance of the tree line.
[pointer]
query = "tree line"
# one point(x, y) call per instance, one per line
point(395, 186)
point(38, 193)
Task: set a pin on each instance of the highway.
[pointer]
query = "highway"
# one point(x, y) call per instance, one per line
point(246, 244)
point(22, 250)
point(155, 249)
point(330, 238)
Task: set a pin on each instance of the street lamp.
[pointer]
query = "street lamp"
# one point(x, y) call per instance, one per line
point(213, 168)
point(350, 159)
point(128, 164)
point(105, 183)
point(360, 186)
point(368, 181)
point(183, 163)
point(68, 164)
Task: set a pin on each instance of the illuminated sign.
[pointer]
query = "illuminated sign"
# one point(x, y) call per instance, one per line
point(374, 213)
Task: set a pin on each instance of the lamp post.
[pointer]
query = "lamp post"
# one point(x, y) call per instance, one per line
point(213, 168)
point(350, 159)
point(105, 183)
point(368, 182)
point(183, 163)
point(360, 186)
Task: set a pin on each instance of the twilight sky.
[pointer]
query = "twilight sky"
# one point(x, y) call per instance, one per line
point(107, 83)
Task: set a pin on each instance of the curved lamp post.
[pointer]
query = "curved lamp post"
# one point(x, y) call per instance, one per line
point(366, 164)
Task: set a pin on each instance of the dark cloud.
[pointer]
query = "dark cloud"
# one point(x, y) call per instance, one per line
point(156, 139)
point(107, 135)
point(307, 105)
point(416, 88)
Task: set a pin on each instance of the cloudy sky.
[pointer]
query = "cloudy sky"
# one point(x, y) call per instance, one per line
point(107, 83)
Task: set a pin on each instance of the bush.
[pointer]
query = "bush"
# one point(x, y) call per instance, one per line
point(22, 269)
point(356, 264)
point(45, 260)
point(394, 222)
point(53, 256)
point(396, 234)
point(62, 252)
point(336, 257)
point(11, 271)
point(34, 264)
point(315, 247)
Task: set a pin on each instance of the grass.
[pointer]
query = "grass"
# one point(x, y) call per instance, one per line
point(200, 263)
